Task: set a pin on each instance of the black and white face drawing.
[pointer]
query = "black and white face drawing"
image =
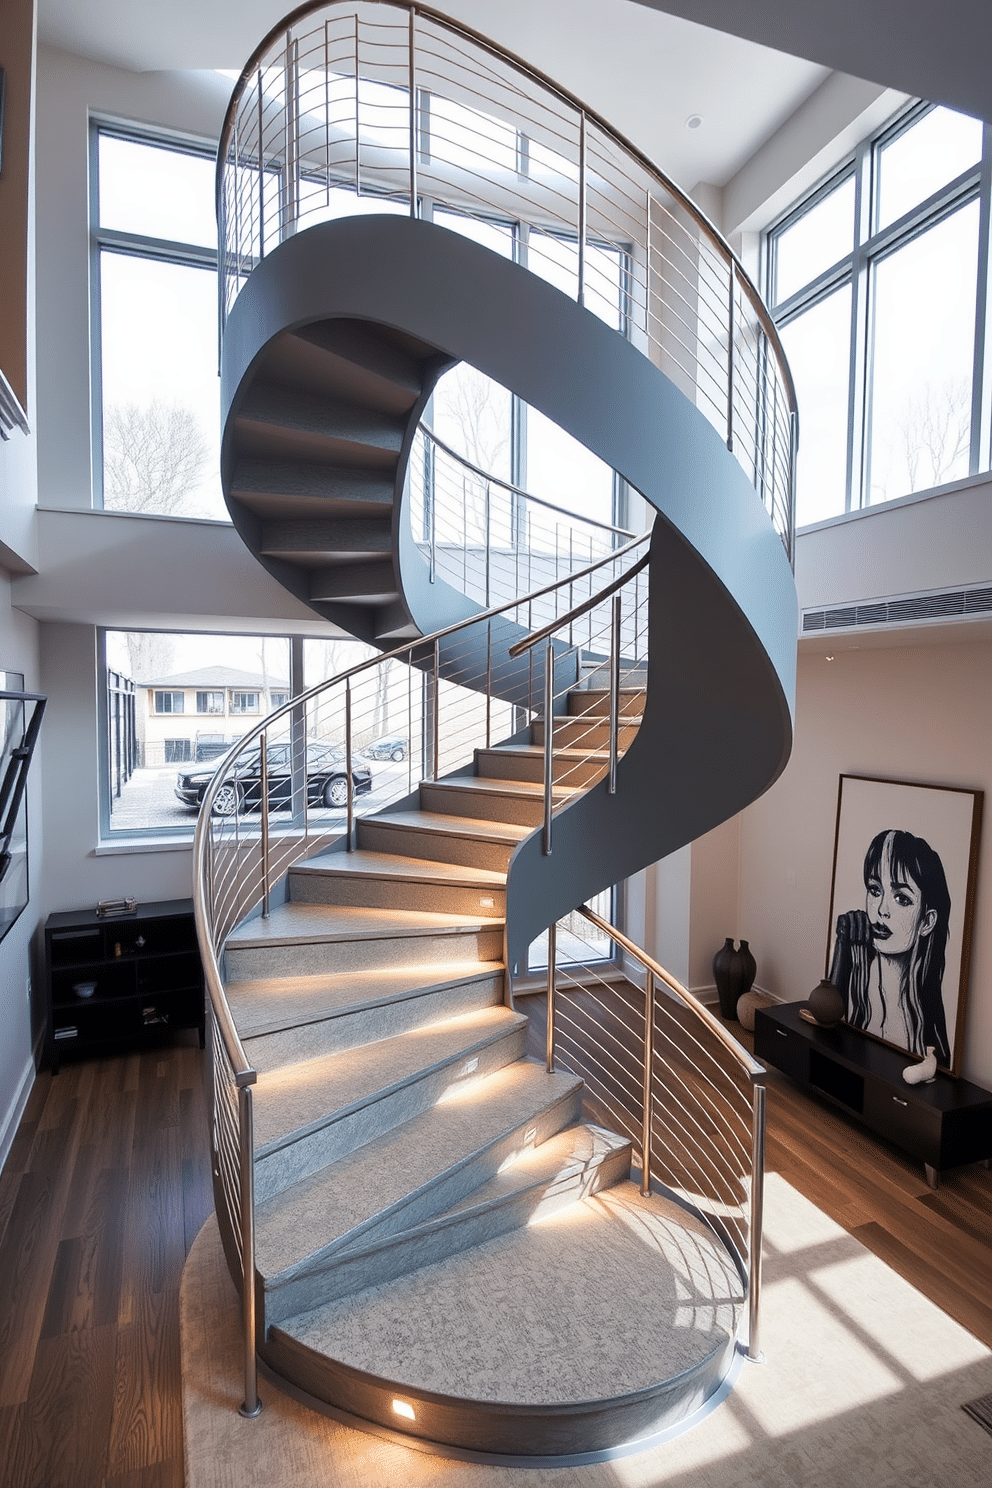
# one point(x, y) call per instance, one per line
point(889, 957)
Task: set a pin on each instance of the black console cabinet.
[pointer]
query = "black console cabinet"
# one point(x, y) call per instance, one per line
point(943, 1124)
point(119, 982)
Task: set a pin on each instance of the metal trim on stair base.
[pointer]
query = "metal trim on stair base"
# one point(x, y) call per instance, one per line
point(499, 1459)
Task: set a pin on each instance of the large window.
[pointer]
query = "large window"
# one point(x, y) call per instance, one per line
point(152, 680)
point(156, 406)
point(879, 284)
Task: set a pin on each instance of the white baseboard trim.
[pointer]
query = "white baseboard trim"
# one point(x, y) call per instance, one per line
point(708, 994)
point(15, 1111)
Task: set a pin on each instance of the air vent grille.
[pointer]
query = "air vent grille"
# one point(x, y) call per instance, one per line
point(953, 602)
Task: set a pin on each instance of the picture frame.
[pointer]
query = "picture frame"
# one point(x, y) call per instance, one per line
point(902, 898)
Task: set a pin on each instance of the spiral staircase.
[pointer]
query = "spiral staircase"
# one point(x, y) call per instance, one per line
point(430, 1234)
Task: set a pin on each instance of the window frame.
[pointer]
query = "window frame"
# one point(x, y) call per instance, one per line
point(110, 781)
point(132, 245)
point(168, 692)
point(872, 246)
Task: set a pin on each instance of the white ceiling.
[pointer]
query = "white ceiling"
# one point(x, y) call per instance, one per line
point(659, 69)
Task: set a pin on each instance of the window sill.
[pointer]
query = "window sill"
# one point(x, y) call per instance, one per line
point(108, 849)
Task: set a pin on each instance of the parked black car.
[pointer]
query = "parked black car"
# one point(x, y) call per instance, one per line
point(327, 780)
point(389, 747)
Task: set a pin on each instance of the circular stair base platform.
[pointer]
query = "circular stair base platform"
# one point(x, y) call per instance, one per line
point(607, 1322)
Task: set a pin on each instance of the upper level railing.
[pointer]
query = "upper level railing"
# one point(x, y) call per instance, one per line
point(489, 538)
point(380, 106)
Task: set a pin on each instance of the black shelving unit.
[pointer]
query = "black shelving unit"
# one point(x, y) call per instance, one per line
point(122, 981)
point(943, 1124)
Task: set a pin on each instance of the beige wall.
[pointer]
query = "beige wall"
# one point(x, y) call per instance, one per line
point(919, 713)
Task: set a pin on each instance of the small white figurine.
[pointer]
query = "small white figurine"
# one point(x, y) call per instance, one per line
point(924, 1072)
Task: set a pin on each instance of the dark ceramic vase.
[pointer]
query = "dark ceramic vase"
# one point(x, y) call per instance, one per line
point(733, 972)
point(826, 1004)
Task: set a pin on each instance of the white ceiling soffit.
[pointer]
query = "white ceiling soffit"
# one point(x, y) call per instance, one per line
point(937, 51)
point(646, 72)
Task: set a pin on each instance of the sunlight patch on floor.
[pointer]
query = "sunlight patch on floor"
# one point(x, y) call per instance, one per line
point(887, 1309)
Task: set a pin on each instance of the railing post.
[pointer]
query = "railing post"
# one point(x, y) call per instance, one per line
point(261, 170)
point(488, 512)
point(582, 208)
point(648, 1089)
point(552, 972)
point(347, 762)
point(614, 694)
point(264, 807)
point(436, 740)
point(246, 1160)
point(549, 724)
point(757, 1220)
point(412, 85)
point(731, 336)
point(430, 487)
point(489, 683)
point(358, 128)
point(291, 125)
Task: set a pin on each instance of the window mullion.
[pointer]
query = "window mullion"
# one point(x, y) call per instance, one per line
point(858, 411)
point(980, 456)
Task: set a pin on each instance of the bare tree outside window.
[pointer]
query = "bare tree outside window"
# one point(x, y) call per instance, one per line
point(935, 433)
point(154, 457)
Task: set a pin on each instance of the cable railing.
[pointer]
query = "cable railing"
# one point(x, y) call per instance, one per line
point(383, 106)
point(659, 1068)
point(489, 538)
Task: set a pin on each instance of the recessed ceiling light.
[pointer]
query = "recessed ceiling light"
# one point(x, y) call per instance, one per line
point(693, 121)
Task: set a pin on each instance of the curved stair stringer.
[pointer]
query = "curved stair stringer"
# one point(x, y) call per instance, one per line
point(717, 726)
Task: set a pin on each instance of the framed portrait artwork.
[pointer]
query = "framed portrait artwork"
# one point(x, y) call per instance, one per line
point(901, 905)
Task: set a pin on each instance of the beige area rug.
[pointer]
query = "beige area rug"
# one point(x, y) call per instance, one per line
point(863, 1384)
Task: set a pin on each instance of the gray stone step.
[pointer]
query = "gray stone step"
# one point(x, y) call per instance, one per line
point(312, 1114)
point(603, 1323)
point(520, 802)
point(367, 583)
point(441, 1171)
point(371, 364)
point(570, 767)
point(391, 881)
point(285, 1019)
point(273, 418)
point(586, 733)
point(448, 839)
point(316, 542)
point(307, 939)
point(346, 359)
point(296, 490)
point(595, 701)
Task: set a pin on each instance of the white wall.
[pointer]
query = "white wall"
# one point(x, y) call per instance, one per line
point(924, 543)
point(916, 713)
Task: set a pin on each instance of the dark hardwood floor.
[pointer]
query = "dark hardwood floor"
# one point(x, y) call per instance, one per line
point(104, 1191)
point(108, 1182)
